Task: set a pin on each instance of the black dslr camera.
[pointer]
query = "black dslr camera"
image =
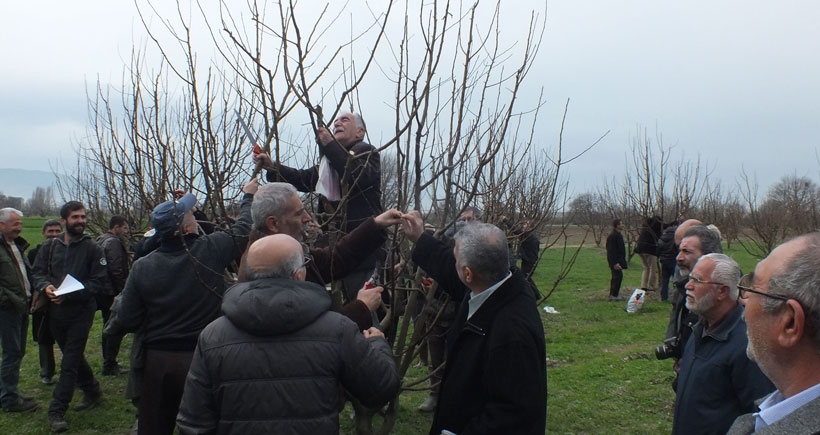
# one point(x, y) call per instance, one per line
point(671, 348)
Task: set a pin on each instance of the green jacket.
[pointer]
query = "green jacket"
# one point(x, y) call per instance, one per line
point(12, 282)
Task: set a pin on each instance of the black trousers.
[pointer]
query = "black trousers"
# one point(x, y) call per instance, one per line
point(164, 381)
point(41, 333)
point(110, 343)
point(70, 326)
point(615, 283)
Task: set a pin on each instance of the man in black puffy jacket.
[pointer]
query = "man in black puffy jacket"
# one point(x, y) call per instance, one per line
point(277, 360)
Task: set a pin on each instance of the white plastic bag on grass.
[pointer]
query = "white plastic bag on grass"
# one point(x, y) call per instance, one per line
point(635, 301)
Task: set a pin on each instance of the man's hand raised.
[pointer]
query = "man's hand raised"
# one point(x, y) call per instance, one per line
point(412, 224)
point(390, 217)
point(324, 136)
point(251, 186)
point(263, 159)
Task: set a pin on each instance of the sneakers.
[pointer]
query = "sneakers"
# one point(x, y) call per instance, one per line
point(88, 402)
point(23, 404)
point(615, 298)
point(57, 423)
point(429, 404)
point(48, 380)
point(114, 370)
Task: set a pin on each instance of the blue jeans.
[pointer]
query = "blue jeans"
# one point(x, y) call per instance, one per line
point(13, 329)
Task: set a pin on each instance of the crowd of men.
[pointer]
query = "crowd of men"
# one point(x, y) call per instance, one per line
point(272, 352)
point(746, 347)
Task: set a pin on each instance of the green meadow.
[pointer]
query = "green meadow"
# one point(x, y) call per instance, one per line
point(603, 374)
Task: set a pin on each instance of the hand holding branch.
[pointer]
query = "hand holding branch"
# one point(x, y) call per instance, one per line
point(413, 225)
point(372, 297)
point(388, 218)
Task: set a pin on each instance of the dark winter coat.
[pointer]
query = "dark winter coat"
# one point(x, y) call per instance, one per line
point(81, 258)
point(495, 380)
point(117, 258)
point(277, 361)
point(648, 238)
point(667, 249)
point(717, 381)
point(331, 264)
point(359, 169)
point(176, 290)
point(616, 250)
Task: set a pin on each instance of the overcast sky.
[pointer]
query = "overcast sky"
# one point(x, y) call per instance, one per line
point(734, 82)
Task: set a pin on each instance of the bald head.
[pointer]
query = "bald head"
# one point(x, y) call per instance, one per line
point(275, 256)
point(685, 225)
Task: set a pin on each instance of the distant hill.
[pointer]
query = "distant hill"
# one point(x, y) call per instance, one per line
point(22, 182)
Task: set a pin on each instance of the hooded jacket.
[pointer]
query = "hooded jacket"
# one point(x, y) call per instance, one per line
point(275, 361)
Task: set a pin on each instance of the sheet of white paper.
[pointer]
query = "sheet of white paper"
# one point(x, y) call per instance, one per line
point(69, 285)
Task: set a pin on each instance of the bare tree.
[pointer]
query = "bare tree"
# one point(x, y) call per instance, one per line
point(723, 209)
point(589, 211)
point(798, 199)
point(41, 202)
point(658, 182)
point(764, 228)
point(448, 85)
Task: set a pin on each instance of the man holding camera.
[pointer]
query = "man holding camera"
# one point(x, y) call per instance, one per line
point(717, 381)
point(695, 240)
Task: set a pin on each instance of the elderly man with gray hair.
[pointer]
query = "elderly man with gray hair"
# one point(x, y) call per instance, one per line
point(495, 379)
point(782, 300)
point(348, 181)
point(15, 292)
point(277, 361)
point(277, 209)
point(717, 381)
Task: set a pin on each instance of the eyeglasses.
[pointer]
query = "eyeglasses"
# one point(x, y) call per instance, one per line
point(308, 259)
point(701, 281)
point(745, 285)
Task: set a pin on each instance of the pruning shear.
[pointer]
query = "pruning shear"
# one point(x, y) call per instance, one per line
point(249, 134)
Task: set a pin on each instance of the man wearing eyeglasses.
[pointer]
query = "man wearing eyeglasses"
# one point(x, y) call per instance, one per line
point(782, 313)
point(717, 381)
point(277, 361)
point(694, 240)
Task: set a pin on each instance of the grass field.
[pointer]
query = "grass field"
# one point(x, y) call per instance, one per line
point(603, 375)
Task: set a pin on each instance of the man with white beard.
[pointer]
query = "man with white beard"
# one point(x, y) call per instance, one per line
point(717, 382)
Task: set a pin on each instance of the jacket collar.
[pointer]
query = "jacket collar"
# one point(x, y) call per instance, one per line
point(72, 241)
point(21, 243)
point(175, 243)
point(481, 320)
point(721, 332)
